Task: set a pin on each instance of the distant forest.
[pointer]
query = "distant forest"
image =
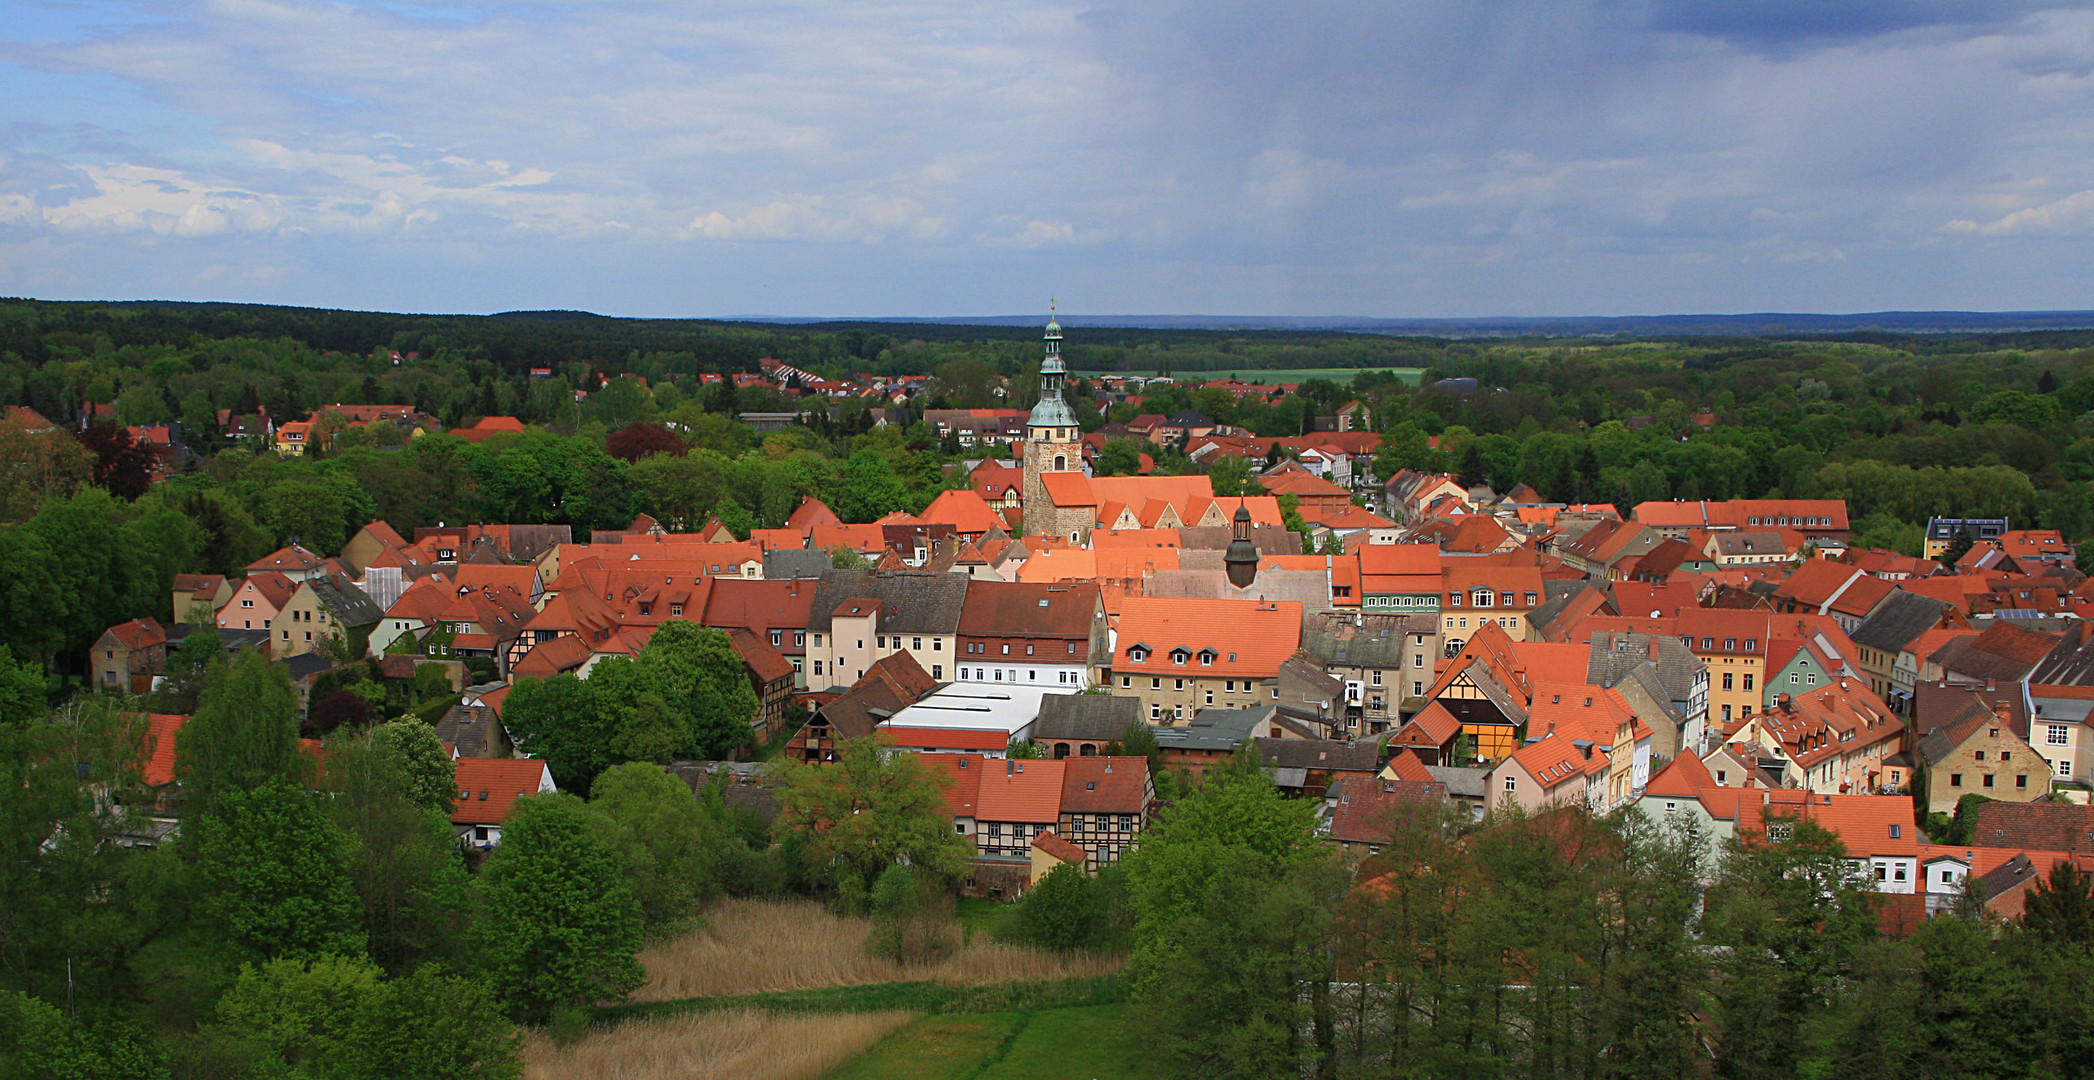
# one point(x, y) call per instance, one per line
point(1900, 426)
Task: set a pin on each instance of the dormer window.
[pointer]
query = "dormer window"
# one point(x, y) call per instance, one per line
point(1138, 654)
point(1207, 657)
point(1482, 598)
point(675, 609)
point(1180, 655)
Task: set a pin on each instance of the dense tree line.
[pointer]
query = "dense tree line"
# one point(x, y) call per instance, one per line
point(315, 914)
point(1568, 946)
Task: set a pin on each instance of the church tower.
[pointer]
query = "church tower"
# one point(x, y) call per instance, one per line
point(1051, 438)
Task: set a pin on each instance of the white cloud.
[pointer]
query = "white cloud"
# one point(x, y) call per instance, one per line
point(1451, 158)
point(2069, 216)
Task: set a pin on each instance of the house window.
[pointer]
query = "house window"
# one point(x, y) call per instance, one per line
point(2056, 735)
point(1991, 733)
point(1748, 681)
point(2021, 781)
point(1210, 697)
point(1417, 689)
point(916, 643)
point(1981, 755)
point(1375, 679)
point(1126, 682)
point(1155, 683)
point(1720, 775)
point(1793, 678)
point(1155, 711)
point(1726, 680)
point(1988, 780)
point(777, 638)
point(1955, 779)
point(1177, 684)
point(1512, 784)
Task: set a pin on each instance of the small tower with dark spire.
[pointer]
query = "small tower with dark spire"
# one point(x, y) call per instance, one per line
point(1051, 439)
point(1240, 562)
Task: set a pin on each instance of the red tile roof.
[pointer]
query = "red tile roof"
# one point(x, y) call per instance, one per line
point(139, 633)
point(1366, 806)
point(934, 738)
point(161, 729)
point(1062, 850)
point(2041, 826)
point(961, 779)
point(489, 787)
point(1029, 791)
point(1116, 785)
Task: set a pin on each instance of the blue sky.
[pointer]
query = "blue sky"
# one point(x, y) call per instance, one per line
point(1405, 158)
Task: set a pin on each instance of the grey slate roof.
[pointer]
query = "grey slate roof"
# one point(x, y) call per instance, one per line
point(916, 603)
point(2071, 663)
point(349, 605)
point(306, 665)
point(1461, 783)
point(1618, 656)
point(1376, 640)
point(1320, 754)
point(1268, 540)
point(1085, 716)
point(1191, 581)
point(1901, 617)
point(475, 730)
point(787, 564)
point(1215, 729)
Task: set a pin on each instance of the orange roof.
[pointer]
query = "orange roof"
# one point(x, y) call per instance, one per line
point(961, 776)
point(1555, 760)
point(160, 747)
point(1434, 722)
point(489, 787)
point(1069, 489)
point(1028, 791)
point(424, 600)
point(1406, 766)
point(1062, 850)
point(944, 738)
point(1234, 637)
point(1134, 538)
point(810, 513)
point(1682, 777)
point(865, 539)
point(1865, 823)
point(965, 511)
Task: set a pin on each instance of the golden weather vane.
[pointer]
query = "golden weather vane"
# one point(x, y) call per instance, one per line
point(1051, 301)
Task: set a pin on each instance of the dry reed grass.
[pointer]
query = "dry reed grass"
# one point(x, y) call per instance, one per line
point(743, 1044)
point(757, 946)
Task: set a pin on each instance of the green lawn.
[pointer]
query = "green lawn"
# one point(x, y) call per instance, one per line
point(1085, 1043)
point(979, 916)
point(1073, 1044)
point(933, 1048)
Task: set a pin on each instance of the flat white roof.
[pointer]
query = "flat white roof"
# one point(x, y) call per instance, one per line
point(978, 707)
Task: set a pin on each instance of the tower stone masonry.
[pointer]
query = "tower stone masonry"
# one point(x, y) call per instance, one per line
point(1051, 444)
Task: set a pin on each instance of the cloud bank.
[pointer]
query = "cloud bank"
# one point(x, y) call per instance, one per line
point(1409, 158)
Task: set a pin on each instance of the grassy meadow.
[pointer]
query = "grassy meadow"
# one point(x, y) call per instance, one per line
point(784, 990)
